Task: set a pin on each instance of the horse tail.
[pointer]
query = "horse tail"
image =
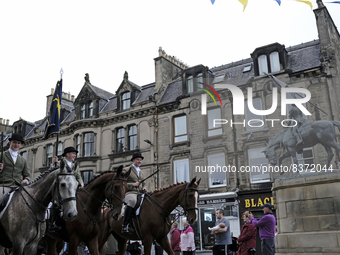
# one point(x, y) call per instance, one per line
point(336, 123)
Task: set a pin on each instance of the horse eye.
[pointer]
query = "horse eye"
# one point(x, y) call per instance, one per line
point(191, 195)
point(116, 188)
point(63, 185)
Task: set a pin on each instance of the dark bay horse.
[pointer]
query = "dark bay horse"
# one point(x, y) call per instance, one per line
point(154, 218)
point(109, 185)
point(23, 223)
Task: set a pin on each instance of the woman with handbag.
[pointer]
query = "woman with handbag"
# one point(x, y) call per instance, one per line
point(247, 238)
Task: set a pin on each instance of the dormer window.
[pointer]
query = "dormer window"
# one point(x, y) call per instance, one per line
point(269, 59)
point(125, 101)
point(199, 80)
point(82, 112)
point(90, 110)
point(190, 84)
point(219, 78)
point(274, 62)
point(194, 82)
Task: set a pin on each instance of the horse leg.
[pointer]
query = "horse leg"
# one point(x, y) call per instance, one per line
point(121, 243)
point(164, 242)
point(18, 248)
point(147, 244)
point(285, 155)
point(330, 154)
point(2, 250)
point(51, 245)
point(92, 245)
point(31, 248)
point(72, 246)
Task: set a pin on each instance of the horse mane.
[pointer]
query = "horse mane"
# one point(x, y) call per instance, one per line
point(41, 176)
point(167, 187)
point(271, 141)
point(98, 175)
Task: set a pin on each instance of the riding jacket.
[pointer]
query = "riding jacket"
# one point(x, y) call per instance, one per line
point(13, 173)
point(134, 177)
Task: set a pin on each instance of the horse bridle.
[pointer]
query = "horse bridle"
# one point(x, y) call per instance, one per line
point(111, 206)
point(185, 199)
point(61, 201)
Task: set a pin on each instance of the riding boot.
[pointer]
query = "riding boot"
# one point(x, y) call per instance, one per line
point(127, 216)
point(52, 227)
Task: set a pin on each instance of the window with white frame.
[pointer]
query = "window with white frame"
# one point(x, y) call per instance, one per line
point(181, 170)
point(82, 112)
point(214, 129)
point(90, 110)
point(254, 121)
point(199, 80)
point(274, 61)
point(132, 137)
point(120, 140)
point(24, 154)
point(306, 160)
point(88, 145)
point(190, 84)
point(126, 101)
point(60, 148)
point(180, 129)
point(217, 170)
point(49, 155)
point(263, 64)
point(257, 163)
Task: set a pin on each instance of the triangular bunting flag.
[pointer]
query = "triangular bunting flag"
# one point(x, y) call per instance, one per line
point(244, 2)
point(306, 2)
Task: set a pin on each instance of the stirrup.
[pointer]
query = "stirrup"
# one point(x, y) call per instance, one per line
point(127, 229)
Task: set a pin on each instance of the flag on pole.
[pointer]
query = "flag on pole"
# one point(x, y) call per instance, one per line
point(53, 119)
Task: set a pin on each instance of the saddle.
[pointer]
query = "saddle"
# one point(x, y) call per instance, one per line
point(6, 199)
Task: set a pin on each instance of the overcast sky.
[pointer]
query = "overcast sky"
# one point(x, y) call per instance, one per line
point(106, 38)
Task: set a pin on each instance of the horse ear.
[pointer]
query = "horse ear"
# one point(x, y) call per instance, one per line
point(192, 181)
point(62, 164)
point(119, 170)
point(127, 173)
point(75, 165)
point(198, 182)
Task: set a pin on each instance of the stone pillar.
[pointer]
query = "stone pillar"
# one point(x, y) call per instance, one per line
point(308, 214)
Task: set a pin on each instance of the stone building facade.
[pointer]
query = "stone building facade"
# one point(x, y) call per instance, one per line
point(169, 123)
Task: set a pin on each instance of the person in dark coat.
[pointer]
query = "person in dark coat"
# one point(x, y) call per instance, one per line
point(247, 238)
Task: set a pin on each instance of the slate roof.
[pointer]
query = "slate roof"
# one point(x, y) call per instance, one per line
point(172, 92)
point(111, 105)
point(100, 92)
point(146, 92)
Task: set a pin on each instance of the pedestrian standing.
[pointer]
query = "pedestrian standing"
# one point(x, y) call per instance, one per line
point(266, 227)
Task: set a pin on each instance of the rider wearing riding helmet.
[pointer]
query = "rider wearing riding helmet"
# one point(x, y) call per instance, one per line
point(135, 186)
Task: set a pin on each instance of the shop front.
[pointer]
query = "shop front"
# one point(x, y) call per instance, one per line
point(207, 206)
point(252, 201)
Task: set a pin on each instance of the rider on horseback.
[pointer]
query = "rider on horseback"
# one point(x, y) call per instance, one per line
point(134, 186)
point(296, 114)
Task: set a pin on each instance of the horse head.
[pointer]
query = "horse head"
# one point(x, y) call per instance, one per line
point(189, 200)
point(115, 191)
point(65, 191)
point(271, 155)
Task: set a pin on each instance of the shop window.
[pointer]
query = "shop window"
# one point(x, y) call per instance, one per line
point(181, 171)
point(88, 145)
point(216, 164)
point(132, 137)
point(254, 121)
point(120, 140)
point(125, 101)
point(180, 129)
point(86, 176)
point(257, 162)
point(49, 155)
point(214, 130)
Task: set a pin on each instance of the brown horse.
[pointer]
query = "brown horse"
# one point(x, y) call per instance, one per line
point(109, 185)
point(154, 218)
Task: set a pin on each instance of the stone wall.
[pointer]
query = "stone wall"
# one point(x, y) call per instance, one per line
point(308, 213)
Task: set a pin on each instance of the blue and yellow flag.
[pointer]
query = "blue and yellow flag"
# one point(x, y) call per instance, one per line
point(53, 119)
